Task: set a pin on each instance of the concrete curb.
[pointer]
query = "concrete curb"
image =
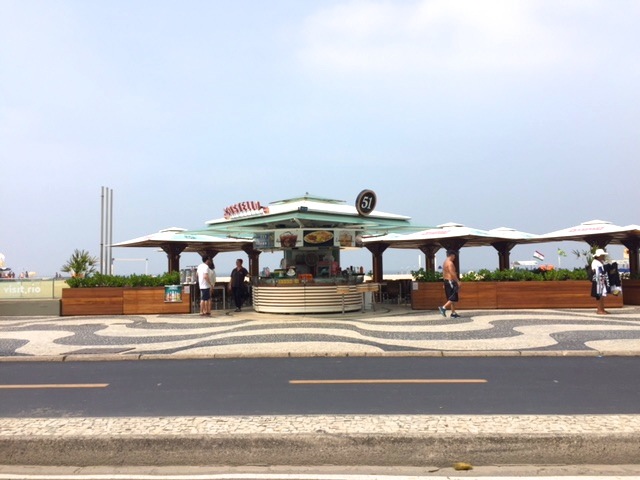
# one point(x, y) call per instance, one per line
point(322, 449)
point(346, 440)
point(258, 354)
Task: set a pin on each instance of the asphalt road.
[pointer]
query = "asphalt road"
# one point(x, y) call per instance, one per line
point(411, 385)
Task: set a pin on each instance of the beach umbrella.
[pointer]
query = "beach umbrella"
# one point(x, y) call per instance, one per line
point(595, 232)
point(450, 236)
point(173, 241)
point(600, 233)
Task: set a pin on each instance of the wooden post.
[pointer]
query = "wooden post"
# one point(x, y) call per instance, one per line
point(173, 252)
point(376, 250)
point(598, 241)
point(254, 263)
point(454, 244)
point(503, 248)
point(209, 252)
point(633, 244)
point(430, 251)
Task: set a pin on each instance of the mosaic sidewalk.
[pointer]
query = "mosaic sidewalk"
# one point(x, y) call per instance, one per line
point(330, 439)
point(387, 331)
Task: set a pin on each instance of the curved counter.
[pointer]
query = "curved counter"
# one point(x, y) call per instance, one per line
point(307, 298)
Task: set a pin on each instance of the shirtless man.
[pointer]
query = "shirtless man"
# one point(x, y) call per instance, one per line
point(451, 284)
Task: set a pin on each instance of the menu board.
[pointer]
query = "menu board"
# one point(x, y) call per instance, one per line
point(264, 240)
point(296, 238)
point(345, 238)
point(291, 238)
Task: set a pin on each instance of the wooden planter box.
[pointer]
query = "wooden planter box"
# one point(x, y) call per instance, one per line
point(150, 300)
point(631, 292)
point(120, 301)
point(92, 301)
point(511, 295)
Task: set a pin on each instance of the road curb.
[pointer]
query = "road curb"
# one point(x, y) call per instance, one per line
point(322, 449)
point(431, 353)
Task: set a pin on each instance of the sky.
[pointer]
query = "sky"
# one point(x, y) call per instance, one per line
point(488, 113)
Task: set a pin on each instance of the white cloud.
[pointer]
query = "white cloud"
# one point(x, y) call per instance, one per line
point(459, 35)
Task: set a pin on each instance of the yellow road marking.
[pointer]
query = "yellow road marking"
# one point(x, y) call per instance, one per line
point(54, 385)
point(388, 381)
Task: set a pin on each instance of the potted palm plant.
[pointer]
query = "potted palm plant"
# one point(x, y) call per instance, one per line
point(80, 264)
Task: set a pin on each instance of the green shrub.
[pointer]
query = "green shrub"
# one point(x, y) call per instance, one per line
point(514, 275)
point(579, 274)
point(100, 280)
point(423, 275)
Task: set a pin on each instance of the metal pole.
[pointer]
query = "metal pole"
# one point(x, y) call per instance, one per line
point(106, 231)
point(110, 230)
point(102, 231)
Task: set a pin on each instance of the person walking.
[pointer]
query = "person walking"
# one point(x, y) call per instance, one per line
point(451, 284)
point(599, 281)
point(204, 283)
point(236, 284)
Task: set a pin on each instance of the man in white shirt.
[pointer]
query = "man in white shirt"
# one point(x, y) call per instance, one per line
point(204, 282)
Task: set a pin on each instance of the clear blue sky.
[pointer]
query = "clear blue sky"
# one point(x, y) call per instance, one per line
point(488, 113)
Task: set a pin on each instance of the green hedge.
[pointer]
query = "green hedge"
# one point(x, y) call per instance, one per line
point(515, 275)
point(423, 275)
point(99, 280)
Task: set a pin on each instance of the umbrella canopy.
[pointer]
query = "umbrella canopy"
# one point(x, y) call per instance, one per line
point(509, 233)
point(176, 240)
point(594, 232)
point(454, 236)
point(192, 242)
point(447, 235)
point(600, 233)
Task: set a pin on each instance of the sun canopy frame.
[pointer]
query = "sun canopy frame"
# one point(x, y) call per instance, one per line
point(454, 236)
point(173, 241)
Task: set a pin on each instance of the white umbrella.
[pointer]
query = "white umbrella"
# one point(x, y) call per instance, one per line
point(454, 236)
point(450, 234)
point(509, 233)
point(590, 232)
point(191, 242)
point(174, 241)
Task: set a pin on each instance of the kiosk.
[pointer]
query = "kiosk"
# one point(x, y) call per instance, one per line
point(312, 233)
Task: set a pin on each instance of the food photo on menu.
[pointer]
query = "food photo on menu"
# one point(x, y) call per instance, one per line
point(318, 238)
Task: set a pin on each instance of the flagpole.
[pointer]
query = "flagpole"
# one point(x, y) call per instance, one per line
point(561, 253)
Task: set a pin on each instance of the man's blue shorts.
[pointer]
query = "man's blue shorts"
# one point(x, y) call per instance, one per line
point(205, 294)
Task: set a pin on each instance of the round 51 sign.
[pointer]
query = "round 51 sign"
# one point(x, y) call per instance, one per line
point(366, 202)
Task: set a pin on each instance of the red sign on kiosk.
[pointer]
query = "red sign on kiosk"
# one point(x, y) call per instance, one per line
point(242, 209)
